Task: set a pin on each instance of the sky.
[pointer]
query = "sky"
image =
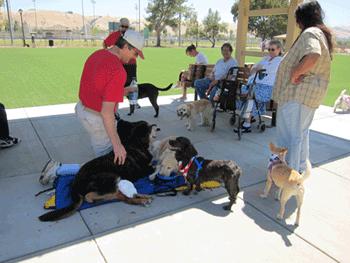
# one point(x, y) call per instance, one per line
point(337, 11)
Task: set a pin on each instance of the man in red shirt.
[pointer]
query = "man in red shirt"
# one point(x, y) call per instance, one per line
point(102, 88)
point(130, 66)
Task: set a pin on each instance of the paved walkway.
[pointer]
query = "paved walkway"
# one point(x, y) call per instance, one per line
point(176, 229)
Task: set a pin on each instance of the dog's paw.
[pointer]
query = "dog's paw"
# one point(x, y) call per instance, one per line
point(190, 129)
point(186, 192)
point(152, 177)
point(129, 114)
point(146, 203)
point(201, 124)
point(263, 196)
point(227, 208)
point(278, 216)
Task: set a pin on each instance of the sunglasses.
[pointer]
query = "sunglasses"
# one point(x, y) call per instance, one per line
point(271, 49)
point(124, 26)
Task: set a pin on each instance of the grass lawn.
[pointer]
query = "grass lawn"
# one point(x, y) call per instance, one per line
point(45, 76)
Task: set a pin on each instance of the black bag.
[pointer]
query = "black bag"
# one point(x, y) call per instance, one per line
point(228, 96)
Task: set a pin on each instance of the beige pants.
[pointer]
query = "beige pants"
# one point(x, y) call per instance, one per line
point(93, 124)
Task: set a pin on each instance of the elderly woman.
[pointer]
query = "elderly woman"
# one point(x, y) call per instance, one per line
point(265, 85)
point(302, 82)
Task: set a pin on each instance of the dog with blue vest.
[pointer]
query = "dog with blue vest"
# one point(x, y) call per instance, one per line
point(197, 170)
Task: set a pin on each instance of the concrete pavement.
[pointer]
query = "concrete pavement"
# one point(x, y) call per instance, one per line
point(182, 228)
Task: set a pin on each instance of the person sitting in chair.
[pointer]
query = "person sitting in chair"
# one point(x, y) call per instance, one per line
point(219, 72)
point(264, 86)
point(201, 59)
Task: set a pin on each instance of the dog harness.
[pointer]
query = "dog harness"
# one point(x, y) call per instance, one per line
point(274, 160)
point(184, 171)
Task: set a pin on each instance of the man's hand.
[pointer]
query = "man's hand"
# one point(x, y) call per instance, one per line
point(127, 91)
point(119, 154)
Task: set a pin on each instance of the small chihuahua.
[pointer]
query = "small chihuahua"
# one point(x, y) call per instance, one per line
point(287, 179)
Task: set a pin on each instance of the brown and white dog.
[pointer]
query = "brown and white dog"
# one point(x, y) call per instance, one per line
point(166, 162)
point(197, 170)
point(287, 179)
point(190, 111)
point(343, 100)
point(100, 179)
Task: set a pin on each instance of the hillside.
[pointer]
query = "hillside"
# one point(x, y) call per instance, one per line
point(61, 20)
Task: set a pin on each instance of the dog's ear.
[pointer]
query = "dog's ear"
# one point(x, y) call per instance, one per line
point(188, 148)
point(272, 147)
point(189, 109)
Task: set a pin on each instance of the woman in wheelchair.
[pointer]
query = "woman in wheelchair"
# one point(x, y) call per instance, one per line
point(264, 86)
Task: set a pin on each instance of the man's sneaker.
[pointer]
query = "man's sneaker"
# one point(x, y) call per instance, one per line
point(244, 130)
point(177, 87)
point(49, 172)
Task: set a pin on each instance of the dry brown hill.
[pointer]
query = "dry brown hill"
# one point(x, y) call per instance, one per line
point(63, 20)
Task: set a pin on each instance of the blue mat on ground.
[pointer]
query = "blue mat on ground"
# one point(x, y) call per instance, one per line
point(144, 186)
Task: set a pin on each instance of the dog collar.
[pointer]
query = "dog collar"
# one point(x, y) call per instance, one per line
point(184, 171)
point(274, 160)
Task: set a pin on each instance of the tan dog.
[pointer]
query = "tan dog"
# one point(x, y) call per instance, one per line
point(190, 111)
point(167, 163)
point(287, 179)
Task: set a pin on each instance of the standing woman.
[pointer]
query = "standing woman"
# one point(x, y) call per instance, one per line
point(301, 83)
point(201, 59)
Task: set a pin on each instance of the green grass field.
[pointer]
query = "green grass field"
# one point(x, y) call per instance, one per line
point(46, 76)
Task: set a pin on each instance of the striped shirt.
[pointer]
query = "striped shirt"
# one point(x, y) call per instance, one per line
point(313, 89)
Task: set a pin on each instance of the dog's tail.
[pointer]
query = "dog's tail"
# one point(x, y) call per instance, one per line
point(306, 174)
point(167, 88)
point(342, 93)
point(77, 201)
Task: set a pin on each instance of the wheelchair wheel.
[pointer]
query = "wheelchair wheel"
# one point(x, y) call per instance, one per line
point(262, 127)
point(233, 119)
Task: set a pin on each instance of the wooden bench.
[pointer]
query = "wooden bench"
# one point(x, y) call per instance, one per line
point(196, 72)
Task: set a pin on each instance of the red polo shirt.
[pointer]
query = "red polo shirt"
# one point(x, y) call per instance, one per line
point(103, 79)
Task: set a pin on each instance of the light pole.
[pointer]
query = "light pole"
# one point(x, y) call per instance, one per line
point(36, 22)
point(24, 41)
point(9, 17)
point(82, 10)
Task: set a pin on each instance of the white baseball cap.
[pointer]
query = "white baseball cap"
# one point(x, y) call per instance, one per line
point(136, 40)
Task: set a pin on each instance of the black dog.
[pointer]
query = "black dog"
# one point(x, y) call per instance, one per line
point(201, 170)
point(97, 180)
point(150, 91)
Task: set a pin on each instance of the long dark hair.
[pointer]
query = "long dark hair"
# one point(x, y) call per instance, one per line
point(310, 14)
point(190, 48)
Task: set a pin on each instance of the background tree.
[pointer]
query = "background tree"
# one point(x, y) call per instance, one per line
point(212, 27)
point(16, 26)
point(265, 27)
point(164, 13)
point(192, 25)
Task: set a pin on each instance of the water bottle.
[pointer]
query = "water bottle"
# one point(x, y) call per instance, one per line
point(135, 94)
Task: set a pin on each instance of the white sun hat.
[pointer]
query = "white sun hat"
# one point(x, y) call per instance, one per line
point(136, 40)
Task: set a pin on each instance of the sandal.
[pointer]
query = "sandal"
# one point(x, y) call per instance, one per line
point(6, 143)
point(15, 140)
